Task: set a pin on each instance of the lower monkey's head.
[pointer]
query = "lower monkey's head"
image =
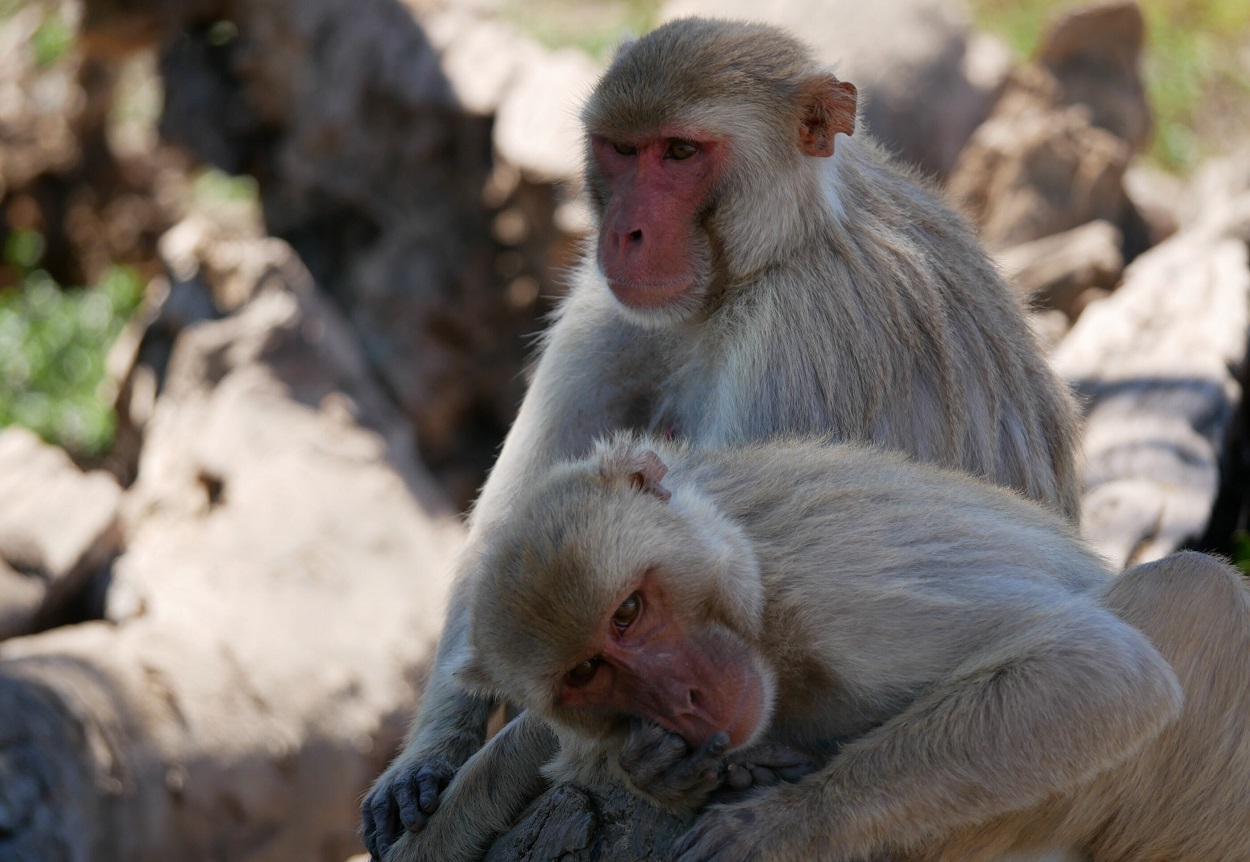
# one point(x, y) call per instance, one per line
point(603, 596)
point(704, 144)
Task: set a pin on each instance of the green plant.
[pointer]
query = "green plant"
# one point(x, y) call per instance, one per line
point(211, 186)
point(1241, 550)
point(53, 38)
point(53, 342)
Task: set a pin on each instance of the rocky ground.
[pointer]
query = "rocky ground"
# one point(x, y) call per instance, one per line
point(211, 637)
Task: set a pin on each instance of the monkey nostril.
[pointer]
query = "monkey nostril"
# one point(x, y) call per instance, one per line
point(634, 235)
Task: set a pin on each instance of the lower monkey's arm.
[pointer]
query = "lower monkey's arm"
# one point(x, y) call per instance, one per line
point(486, 797)
point(1043, 710)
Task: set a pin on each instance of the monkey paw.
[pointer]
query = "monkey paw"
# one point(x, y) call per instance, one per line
point(661, 765)
point(403, 798)
point(762, 766)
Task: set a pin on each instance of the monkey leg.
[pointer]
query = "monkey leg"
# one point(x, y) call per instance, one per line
point(487, 795)
point(1184, 796)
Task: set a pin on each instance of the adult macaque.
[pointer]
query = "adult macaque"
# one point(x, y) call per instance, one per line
point(987, 690)
point(758, 272)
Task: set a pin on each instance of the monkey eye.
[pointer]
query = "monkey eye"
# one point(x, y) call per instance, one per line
point(583, 673)
point(625, 149)
point(627, 612)
point(681, 150)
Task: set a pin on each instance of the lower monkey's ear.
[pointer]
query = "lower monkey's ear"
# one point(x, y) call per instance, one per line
point(623, 458)
point(828, 107)
point(647, 475)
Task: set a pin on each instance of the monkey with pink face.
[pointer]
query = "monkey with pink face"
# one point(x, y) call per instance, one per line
point(973, 682)
point(761, 269)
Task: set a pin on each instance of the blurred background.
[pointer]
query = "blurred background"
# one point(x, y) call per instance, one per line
point(270, 273)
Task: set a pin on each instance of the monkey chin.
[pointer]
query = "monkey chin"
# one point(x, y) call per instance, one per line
point(649, 295)
point(657, 304)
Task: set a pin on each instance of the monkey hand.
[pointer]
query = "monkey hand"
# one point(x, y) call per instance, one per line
point(762, 765)
point(661, 765)
point(487, 795)
point(404, 797)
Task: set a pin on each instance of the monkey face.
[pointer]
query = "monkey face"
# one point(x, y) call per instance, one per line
point(652, 248)
point(612, 602)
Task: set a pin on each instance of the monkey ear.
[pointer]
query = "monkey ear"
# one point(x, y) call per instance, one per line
point(623, 458)
point(828, 108)
point(646, 476)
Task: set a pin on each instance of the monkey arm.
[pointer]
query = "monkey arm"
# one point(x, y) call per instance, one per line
point(488, 794)
point(1042, 710)
point(593, 374)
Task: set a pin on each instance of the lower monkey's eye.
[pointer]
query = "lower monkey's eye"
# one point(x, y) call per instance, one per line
point(627, 612)
point(625, 149)
point(583, 673)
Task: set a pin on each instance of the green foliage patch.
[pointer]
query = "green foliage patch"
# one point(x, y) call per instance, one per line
point(52, 40)
point(53, 342)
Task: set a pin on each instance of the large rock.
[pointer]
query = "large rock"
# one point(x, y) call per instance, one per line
point(1218, 184)
point(1037, 167)
point(1158, 366)
point(258, 669)
point(58, 527)
point(1053, 153)
point(925, 82)
point(1053, 271)
point(1095, 55)
point(371, 167)
point(538, 128)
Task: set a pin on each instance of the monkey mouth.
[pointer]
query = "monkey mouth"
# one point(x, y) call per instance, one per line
point(635, 293)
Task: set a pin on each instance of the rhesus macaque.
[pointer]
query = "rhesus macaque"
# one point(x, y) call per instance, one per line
point(758, 271)
point(974, 681)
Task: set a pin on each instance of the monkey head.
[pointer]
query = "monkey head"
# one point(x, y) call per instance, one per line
point(702, 139)
point(606, 597)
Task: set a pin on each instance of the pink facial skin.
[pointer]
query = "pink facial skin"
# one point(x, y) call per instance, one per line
point(647, 241)
point(694, 683)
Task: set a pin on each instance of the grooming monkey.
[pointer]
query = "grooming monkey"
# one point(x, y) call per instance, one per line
point(986, 689)
point(760, 269)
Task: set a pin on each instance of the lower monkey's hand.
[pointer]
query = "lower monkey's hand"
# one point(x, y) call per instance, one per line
point(660, 764)
point(404, 797)
point(762, 765)
point(487, 795)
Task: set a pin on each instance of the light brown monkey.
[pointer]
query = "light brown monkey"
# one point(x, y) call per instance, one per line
point(758, 271)
point(994, 692)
